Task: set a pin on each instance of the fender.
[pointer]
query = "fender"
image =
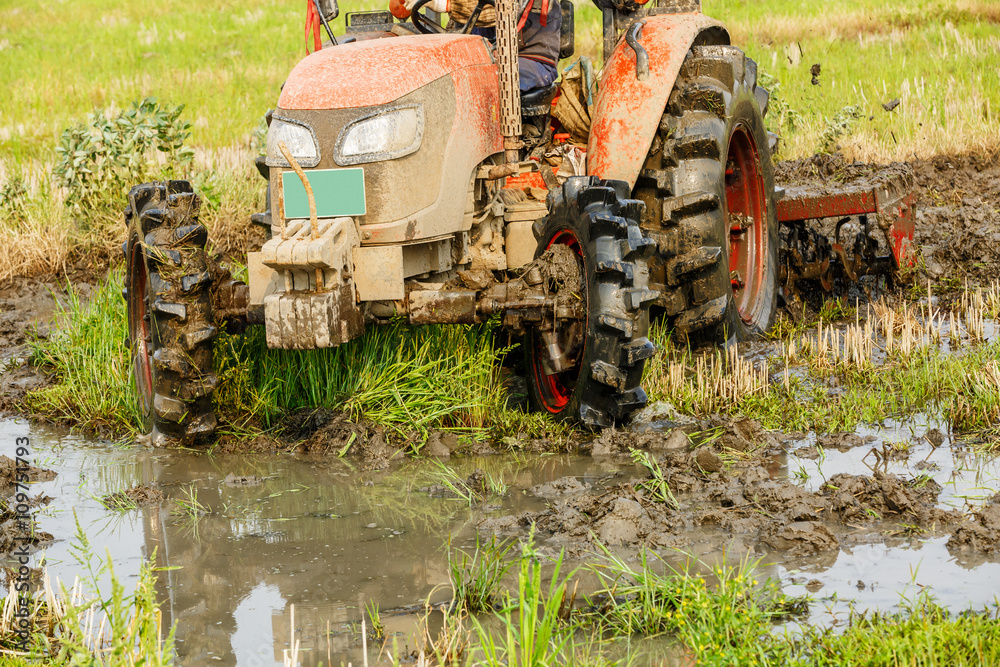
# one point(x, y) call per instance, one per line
point(378, 71)
point(627, 111)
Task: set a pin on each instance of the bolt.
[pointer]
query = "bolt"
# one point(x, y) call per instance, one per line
point(367, 235)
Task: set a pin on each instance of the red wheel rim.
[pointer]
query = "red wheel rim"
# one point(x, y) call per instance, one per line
point(746, 212)
point(555, 390)
point(138, 328)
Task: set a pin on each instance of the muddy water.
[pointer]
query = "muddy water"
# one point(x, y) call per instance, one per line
point(318, 535)
point(879, 572)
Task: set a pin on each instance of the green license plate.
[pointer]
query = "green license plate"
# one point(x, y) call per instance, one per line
point(337, 191)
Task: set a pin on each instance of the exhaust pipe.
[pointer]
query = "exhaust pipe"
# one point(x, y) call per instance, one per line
point(510, 96)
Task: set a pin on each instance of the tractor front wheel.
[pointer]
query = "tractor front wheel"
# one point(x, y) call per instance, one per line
point(170, 322)
point(606, 349)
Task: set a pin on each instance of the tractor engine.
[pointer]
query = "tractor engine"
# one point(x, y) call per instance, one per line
point(391, 135)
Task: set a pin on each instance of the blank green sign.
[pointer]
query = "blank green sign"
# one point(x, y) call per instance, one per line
point(337, 191)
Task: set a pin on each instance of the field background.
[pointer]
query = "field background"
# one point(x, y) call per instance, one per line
point(225, 61)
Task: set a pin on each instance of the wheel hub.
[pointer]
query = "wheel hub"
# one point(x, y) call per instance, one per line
point(139, 330)
point(746, 211)
point(559, 350)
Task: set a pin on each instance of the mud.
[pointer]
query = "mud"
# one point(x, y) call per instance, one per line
point(29, 308)
point(324, 433)
point(16, 532)
point(738, 435)
point(958, 209)
point(982, 532)
point(729, 485)
point(137, 496)
point(9, 473)
point(15, 529)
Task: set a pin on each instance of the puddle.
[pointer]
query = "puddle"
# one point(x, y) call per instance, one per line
point(967, 478)
point(319, 536)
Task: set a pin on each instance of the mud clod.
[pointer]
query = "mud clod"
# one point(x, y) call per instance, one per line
point(137, 496)
point(743, 435)
point(982, 533)
point(802, 538)
point(560, 487)
point(622, 525)
point(242, 480)
point(9, 472)
point(708, 460)
point(860, 498)
point(15, 532)
point(935, 437)
point(842, 441)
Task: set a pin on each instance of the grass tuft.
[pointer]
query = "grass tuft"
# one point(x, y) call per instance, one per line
point(476, 578)
point(89, 361)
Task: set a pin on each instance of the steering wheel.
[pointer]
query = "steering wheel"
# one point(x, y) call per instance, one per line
point(426, 26)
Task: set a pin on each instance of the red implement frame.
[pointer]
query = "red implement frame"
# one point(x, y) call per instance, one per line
point(892, 203)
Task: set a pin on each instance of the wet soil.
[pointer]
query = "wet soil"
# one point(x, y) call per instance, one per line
point(958, 209)
point(29, 307)
point(982, 532)
point(730, 485)
point(137, 496)
point(17, 525)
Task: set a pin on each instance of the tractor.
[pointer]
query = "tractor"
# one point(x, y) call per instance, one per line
point(405, 180)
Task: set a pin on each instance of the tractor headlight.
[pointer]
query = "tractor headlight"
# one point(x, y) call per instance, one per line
point(385, 135)
point(299, 138)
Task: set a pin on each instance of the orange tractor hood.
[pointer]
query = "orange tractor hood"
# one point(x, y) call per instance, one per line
point(378, 71)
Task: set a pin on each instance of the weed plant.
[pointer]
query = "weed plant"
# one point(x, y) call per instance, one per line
point(656, 487)
point(531, 632)
point(476, 578)
point(101, 159)
point(376, 631)
point(83, 626)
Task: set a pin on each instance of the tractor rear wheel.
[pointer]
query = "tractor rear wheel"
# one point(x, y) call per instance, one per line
point(170, 322)
point(608, 348)
point(708, 184)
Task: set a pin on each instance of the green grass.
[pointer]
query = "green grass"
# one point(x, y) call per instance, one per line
point(407, 379)
point(90, 359)
point(226, 61)
point(720, 615)
point(724, 623)
point(532, 632)
point(922, 633)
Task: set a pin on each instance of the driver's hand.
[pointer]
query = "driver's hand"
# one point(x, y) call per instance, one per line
point(439, 6)
point(398, 9)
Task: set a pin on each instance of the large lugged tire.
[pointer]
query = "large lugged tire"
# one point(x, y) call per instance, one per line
point(171, 326)
point(708, 184)
point(596, 220)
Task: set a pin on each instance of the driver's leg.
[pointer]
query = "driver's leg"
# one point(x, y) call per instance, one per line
point(535, 73)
